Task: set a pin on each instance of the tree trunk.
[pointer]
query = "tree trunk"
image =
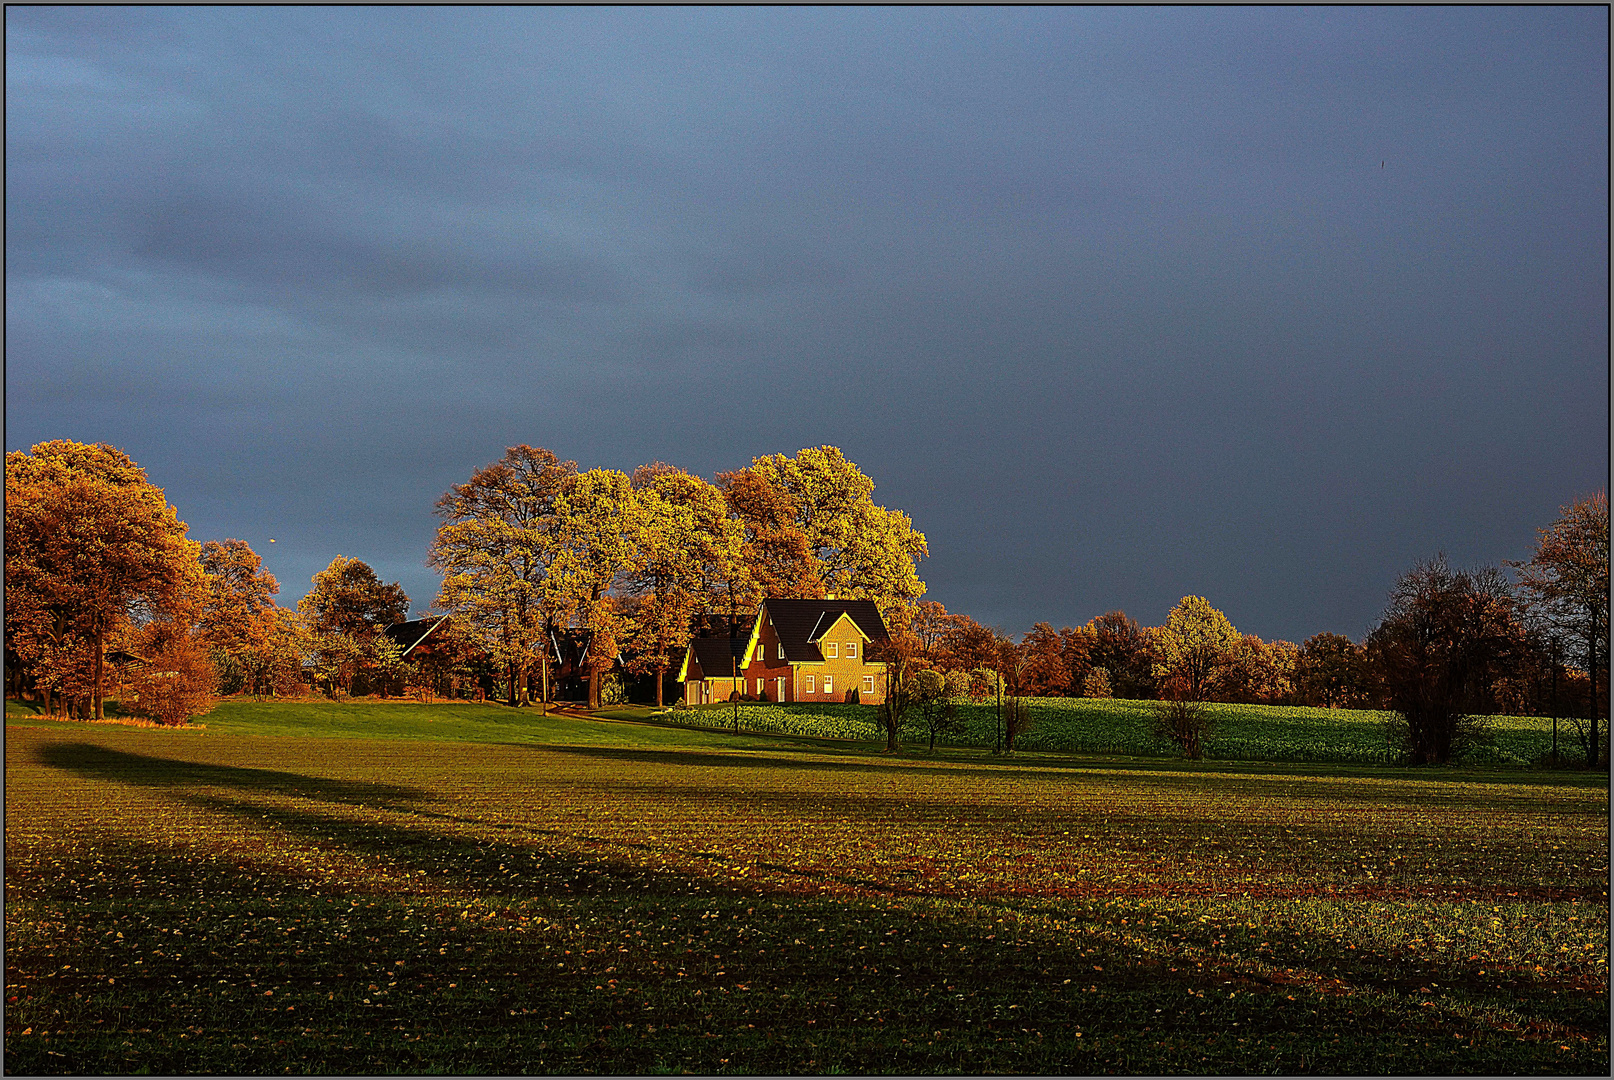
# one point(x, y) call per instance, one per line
point(594, 688)
point(100, 654)
point(1555, 714)
point(1591, 679)
point(546, 670)
point(997, 727)
point(661, 677)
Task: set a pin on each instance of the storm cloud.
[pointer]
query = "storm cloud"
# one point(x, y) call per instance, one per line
point(1119, 305)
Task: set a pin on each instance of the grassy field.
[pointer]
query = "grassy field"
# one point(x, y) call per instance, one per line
point(1105, 726)
point(472, 889)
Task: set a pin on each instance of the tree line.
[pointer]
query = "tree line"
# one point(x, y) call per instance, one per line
point(106, 596)
point(1452, 647)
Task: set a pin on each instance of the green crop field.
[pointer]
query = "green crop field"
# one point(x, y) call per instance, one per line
point(1105, 726)
point(305, 888)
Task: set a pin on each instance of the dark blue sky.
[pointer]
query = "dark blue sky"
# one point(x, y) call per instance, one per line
point(1119, 305)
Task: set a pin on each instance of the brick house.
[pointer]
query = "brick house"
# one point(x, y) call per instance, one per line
point(797, 650)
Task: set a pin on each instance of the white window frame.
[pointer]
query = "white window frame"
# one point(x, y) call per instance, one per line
point(781, 650)
point(868, 684)
point(761, 686)
point(810, 689)
point(830, 655)
point(829, 684)
point(851, 650)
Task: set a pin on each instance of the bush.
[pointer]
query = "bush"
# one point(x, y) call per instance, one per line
point(178, 679)
point(1473, 739)
point(1185, 724)
point(612, 690)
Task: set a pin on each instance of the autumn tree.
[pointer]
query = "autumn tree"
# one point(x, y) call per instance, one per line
point(1567, 578)
point(1076, 646)
point(855, 549)
point(349, 598)
point(275, 667)
point(91, 545)
point(776, 550)
point(346, 612)
point(1014, 666)
point(1257, 672)
point(598, 535)
point(1047, 673)
point(495, 545)
point(237, 610)
point(968, 646)
point(1097, 683)
point(1193, 644)
point(689, 562)
point(1445, 637)
point(1124, 649)
point(931, 624)
point(1328, 671)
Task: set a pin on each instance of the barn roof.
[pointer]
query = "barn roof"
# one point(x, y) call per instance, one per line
point(716, 657)
point(410, 634)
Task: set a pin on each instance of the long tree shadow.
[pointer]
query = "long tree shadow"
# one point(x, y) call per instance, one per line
point(749, 954)
point(142, 770)
point(1288, 782)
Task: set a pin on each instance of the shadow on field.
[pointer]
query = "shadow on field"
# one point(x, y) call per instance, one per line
point(767, 955)
point(100, 763)
point(1325, 783)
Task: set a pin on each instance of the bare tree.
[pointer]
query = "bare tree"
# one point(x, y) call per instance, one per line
point(1186, 724)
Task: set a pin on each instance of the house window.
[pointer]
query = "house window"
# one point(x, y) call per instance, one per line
point(830, 646)
point(781, 650)
point(851, 650)
point(810, 689)
point(868, 684)
point(829, 684)
point(760, 683)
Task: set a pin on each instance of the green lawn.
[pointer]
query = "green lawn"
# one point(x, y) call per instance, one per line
point(1106, 726)
point(475, 889)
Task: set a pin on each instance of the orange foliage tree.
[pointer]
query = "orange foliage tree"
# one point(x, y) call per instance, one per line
point(238, 607)
point(91, 545)
point(495, 547)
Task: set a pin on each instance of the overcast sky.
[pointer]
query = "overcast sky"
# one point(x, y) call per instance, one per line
point(1119, 305)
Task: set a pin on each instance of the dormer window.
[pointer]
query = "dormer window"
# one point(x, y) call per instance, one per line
point(829, 650)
